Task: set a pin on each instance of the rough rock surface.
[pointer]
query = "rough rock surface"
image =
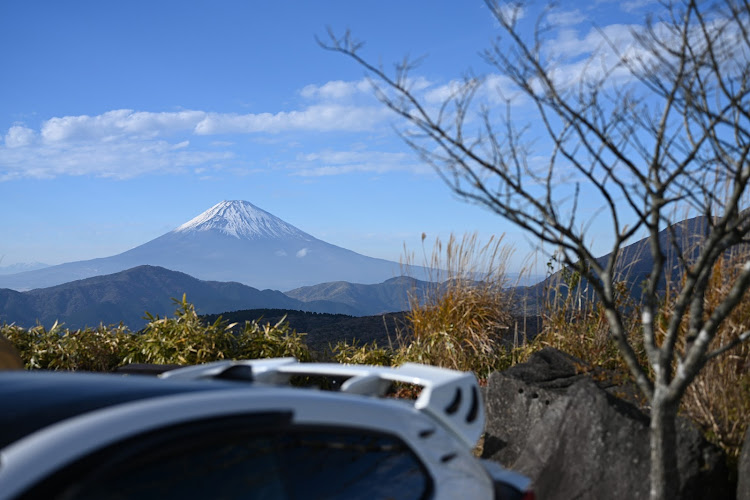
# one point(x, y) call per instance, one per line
point(592, 445)
point(743, 470)
point(549, 368)
point(520, 396)
point(575, 440)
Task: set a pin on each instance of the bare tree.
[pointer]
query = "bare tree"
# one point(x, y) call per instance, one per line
point(654, 129)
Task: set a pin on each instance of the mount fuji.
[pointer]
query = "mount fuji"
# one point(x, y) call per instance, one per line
point(231, 241)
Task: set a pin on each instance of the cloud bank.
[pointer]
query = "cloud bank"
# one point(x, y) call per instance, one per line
point(125, 143)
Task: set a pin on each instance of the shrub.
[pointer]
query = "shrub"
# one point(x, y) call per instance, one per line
point(186, 340)
point(182, 340)
point(460, 323)
point(266, 341)
point(99, 349)
point(355, 353)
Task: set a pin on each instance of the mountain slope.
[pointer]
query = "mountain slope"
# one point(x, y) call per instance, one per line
point(389, 296)
point(125, 296)
point(634, 262)
point(19, 268)
point(232, 241)
point(325, 330)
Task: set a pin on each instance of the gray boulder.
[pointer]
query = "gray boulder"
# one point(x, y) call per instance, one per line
point(550, 369)
point(520, 396)
point(743, 470)
point(593, 445)
point(574, 439)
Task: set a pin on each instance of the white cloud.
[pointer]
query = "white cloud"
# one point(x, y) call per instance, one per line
point(498, 88)
point(417, 83)
point(512, 10)
point(125, 123)
point(302, 253)
point(118, 123)
point(494, 89)
point(113, 159)
point(336, 89)
point(329, 163)
point(591, 56)
point(125, 143)
point(565, 17)
point(633, 5)
point(321, 117)
point(19, 136)
point(569, 44)
point(344, 157)
point(442, 93)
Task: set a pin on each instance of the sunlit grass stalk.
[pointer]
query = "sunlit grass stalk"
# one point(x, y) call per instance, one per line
point(460, 322)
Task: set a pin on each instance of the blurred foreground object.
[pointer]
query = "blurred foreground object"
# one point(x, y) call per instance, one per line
point(9, 357)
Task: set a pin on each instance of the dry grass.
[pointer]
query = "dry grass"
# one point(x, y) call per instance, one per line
point(460, 323)
point(719, 398)
point(578, 326)
point(355, 353)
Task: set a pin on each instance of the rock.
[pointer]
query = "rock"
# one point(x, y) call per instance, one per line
point(702, 466)
point(574, 439)
point(520, 396)
point(511, 407)
point(577, 450)
point(592, 445)
point(549, 369)
point(743, 470)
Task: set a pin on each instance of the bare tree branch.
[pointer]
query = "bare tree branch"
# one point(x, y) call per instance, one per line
point(669, 141)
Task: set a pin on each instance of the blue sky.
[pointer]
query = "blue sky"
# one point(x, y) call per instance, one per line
point(119, 121)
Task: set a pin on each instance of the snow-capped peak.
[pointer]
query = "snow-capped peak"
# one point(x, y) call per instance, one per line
point(241, 219)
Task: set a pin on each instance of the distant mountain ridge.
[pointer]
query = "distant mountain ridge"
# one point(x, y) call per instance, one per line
point(635, 261)
point(231, 241)
point(127, 295)
point(21, 267)
point(390, 296)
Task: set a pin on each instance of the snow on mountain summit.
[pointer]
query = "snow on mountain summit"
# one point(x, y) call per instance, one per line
point(241, 219)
